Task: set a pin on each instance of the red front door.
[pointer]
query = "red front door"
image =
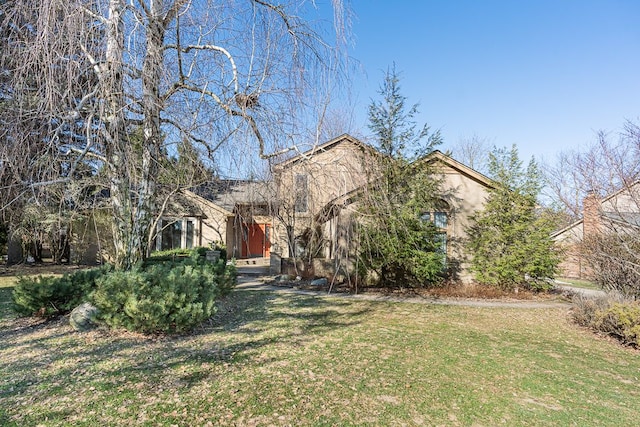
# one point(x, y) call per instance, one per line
point(254, 240)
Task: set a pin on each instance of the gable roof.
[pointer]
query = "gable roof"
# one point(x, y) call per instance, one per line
point(338, 203)
point(438, 156)
point(342, 139)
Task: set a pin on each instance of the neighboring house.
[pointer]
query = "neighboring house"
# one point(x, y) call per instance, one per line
point(319, 193)
point(616, 213)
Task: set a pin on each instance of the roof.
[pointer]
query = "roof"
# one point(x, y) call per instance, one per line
point(180, 205)
point(438, 156)
point(229, 193)
point(344, 138)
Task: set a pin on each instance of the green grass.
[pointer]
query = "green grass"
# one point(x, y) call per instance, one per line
point(585, 284)
point(6, 287)
point(283, 359)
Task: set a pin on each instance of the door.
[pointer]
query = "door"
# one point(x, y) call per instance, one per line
point(256, 240)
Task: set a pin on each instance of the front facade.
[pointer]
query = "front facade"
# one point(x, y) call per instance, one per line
point(230, 213)
point(307, 183)
point(310, 208)
point(318, 203)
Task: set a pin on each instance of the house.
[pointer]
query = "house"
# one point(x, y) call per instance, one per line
point(618, 212)
point(309, 209)
point(317, 198)
point(308, 182)
point(236, 214)
point(233, 213)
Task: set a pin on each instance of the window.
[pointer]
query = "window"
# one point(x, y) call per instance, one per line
point(189, 235)
point(301, 193)
point(175, 234)
point(441, 222)
point(440, 219)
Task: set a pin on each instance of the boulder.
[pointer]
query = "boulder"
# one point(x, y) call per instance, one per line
point(319, 282)
point(83, 317)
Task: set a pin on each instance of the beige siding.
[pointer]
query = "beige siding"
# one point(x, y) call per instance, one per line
point(217, 225)
point(466, 196)
point(345, 166)
point(330, 173)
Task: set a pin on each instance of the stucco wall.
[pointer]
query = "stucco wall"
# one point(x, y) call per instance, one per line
point(216, 226)
point(330, 173)
point(345, 167)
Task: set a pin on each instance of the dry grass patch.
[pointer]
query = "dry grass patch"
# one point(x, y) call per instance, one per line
point(285, 359)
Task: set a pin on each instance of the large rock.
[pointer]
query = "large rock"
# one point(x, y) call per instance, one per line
point(83, 317)
point(319, 282)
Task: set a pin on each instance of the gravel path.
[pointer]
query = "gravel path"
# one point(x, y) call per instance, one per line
point(591, 293)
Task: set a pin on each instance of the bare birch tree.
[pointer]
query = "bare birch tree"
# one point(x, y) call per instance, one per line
point(609, 164)
point(606, 177)
point(90, 73)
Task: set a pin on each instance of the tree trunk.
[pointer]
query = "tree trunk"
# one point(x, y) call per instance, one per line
point(117, 146)
point(151, 106)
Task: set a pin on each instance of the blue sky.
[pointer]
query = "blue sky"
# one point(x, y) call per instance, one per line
point(544, 75)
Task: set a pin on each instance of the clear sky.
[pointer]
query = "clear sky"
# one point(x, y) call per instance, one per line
point(543, 74)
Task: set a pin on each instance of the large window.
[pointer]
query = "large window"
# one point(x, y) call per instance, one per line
point(441, 221)
point(176, 234)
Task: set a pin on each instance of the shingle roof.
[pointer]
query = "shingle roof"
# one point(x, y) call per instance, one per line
point(229, 193)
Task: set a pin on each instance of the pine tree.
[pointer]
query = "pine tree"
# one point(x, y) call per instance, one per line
point(397, 243)
point(511, 240)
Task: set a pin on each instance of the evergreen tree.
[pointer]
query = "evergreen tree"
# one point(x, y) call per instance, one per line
point(397, 242)
point(511, 239)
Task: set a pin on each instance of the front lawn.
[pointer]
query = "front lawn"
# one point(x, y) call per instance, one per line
point(285, 359)
point(584, 284)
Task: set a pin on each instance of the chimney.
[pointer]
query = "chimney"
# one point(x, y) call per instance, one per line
point(591, 214)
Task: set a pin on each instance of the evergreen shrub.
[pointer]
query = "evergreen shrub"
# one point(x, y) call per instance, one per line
point(162, 298)
point(48, 296)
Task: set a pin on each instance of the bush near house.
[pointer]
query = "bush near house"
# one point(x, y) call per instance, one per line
point(173, 254)
point(170, 297)
point(162, 298)
point(510, 240)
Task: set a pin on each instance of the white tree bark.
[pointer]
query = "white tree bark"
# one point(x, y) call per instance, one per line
point(118, 82)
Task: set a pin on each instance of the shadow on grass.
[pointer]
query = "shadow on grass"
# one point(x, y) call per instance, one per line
point(6, 310)
point(49, 359)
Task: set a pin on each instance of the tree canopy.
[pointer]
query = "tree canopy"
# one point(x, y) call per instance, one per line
point(398, 242)
point(113, 85)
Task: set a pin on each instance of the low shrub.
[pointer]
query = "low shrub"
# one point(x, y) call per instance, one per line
point(170, 255)
point(50, 296)
point(622, 321)
point(611, 315)
point(162, 298)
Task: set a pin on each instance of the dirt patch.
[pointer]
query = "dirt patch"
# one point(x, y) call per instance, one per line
point(38, 269)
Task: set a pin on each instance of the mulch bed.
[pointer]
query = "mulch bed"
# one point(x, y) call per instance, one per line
point(456, 291)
